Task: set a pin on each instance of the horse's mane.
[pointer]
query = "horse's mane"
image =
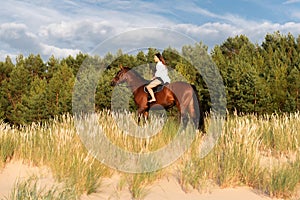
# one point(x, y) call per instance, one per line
point(134, 72)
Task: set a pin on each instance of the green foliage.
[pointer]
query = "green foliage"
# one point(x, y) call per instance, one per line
point(12, 92)
point(258, 78)
point(59, 91)
point(35, 66)
point(35, 101)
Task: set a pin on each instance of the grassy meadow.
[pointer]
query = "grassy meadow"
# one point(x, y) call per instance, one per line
point(262, 152)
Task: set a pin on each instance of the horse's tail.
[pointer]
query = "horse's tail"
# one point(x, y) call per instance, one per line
point(198, 109)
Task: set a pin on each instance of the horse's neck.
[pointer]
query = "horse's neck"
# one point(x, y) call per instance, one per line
point(136, 81)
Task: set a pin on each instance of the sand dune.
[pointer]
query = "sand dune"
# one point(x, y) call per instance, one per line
point(164, 189)
point(169, 189)
point(17, 171)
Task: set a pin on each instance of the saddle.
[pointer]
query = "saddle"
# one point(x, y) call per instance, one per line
point(156, 89)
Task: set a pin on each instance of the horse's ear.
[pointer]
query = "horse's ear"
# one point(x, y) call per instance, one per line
point(121, 66)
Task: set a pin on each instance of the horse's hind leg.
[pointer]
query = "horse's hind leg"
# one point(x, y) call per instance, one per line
point(183, 116)
point(185, 119)
point(196, 115)
point(193, 113)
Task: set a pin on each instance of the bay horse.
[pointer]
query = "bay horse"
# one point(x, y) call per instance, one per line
point(179, 94)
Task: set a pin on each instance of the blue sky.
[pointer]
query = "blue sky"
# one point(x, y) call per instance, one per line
point(64, 27)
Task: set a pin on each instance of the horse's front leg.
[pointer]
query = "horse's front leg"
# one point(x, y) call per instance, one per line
point(142, 113)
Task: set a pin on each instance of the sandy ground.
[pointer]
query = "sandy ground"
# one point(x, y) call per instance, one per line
point(169, 189)
point(164, 189)
point(16, 171)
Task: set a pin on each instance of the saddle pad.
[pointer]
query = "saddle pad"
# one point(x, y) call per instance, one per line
point(155, 89)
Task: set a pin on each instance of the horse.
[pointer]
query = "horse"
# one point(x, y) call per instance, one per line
point(179, 94)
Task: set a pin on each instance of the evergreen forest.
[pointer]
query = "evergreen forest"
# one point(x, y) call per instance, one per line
point(258, 78)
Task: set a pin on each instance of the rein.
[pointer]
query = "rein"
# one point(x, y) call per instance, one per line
point(129, 86)
point(135, 81)
point(123, 85)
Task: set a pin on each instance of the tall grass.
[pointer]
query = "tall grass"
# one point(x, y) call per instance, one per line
point(234, 160)
point(258, 151)
point(56, 145)
point(280, 134)
point(281, 181)
point(239, 156)
point(137, 183)
point(7, 144)
point(31, 189)
point(123, 131)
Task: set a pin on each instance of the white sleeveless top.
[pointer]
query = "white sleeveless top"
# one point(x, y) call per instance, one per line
point(162, 72)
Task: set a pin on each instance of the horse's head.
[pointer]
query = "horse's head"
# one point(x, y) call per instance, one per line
point(121, 76)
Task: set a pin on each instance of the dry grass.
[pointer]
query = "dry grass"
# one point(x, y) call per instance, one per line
point(261, 152)
point(240, 156)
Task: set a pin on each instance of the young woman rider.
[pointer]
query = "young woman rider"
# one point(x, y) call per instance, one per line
point(160, 77)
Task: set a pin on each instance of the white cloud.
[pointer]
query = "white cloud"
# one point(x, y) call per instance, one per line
point(28, 13)
point(17, 36)
point(76, 29)
point(215, 33)
point(291, 1)
point(66, 27)
point(4, 54)
point(62, 52)
point(208, 29)
point(209, 33)
point(12, 30)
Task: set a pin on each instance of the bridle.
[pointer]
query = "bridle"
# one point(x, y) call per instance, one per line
point(132, 86)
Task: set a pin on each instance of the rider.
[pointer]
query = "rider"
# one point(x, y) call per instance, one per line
point(160, 76)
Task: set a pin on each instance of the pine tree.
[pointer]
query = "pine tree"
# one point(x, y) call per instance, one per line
point(234, 59)
point(172, 57)
point(278, 51)
point(294, 88)
point(12, 92)
point(74, 63)
point(52, 66)
point(35, 102)
point(5, 70)
point(59, 91)
point(35, 65)
point(85, 88)
point(140, 59)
